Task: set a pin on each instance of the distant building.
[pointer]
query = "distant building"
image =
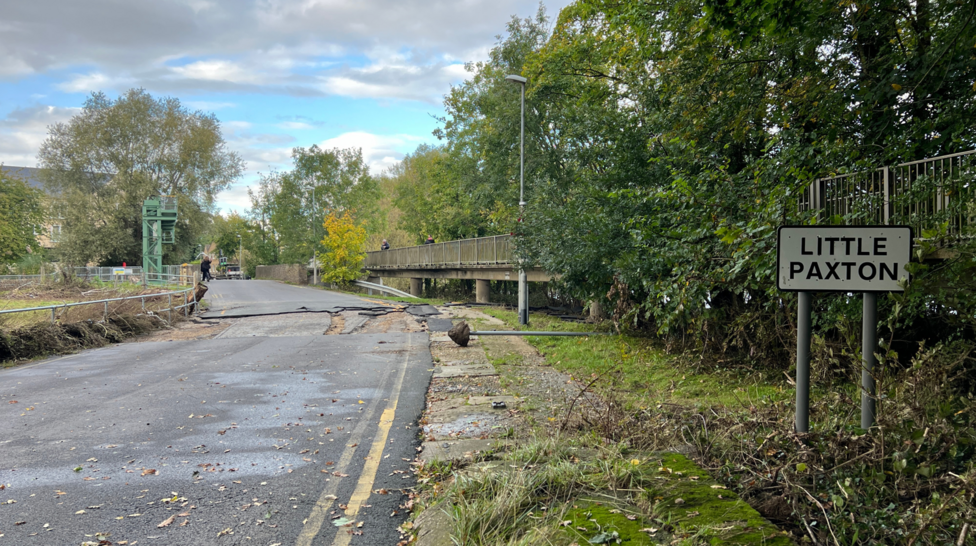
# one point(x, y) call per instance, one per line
point(52, 228)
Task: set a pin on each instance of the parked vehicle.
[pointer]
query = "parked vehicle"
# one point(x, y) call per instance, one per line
point(230, 272)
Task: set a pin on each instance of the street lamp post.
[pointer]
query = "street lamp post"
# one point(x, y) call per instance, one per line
point(523, 292)
point(240, 255)
point(315, 248)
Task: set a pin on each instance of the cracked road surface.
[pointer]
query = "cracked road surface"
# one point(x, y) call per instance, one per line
point(270, 433)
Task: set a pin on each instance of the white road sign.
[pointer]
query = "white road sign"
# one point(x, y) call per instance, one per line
point(843, 258)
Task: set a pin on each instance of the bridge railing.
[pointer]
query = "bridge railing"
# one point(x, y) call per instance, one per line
point(920, 193)
point(483, 251)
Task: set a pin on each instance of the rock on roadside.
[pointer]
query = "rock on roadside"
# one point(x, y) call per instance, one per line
point(460, 333)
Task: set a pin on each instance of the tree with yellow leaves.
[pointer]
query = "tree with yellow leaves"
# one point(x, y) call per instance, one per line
point(345, 243)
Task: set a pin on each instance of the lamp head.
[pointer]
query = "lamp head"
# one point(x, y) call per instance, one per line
point(516, 79)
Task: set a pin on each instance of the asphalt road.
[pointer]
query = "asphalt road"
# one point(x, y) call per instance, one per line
point(265, 435)
point(239, 298)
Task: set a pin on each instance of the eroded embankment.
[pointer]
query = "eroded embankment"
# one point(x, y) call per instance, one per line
point(45, 339)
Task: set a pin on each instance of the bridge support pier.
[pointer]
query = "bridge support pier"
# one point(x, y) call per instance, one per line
point(596, 311)
point(374, 280)
point(416, 287)
point(482, 291)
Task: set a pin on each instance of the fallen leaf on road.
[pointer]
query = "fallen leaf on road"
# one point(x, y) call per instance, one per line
point(226, 531)
point(166, 521)
point(184, 514)
point(149, 472)
point(79, 512)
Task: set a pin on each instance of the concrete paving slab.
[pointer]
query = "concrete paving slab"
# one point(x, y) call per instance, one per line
point(441, 372)
point(455, 450)
point(434, 526)
point(471, 314)
point(453, 403)
point(354, 322)
point(449, 414)
point(510, 401)
point(478, 425)
point(450, 354)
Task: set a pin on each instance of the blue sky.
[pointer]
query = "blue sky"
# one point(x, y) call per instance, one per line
point(277, 73)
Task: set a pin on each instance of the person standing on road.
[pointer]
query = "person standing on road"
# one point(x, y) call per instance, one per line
point(385, 245)
point(205, 268)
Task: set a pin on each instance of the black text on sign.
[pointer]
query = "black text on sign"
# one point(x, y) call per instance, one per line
point(843, 258)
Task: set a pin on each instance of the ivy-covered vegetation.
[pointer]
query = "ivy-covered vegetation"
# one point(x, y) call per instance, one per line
point(665, 144)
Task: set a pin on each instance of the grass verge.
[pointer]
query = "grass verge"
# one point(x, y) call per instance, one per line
point(910, 480)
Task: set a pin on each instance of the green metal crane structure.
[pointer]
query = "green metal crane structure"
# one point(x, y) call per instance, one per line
point(158, 227)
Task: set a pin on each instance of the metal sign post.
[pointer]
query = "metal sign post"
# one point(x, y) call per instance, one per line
point(803, 329)
point(867, 259)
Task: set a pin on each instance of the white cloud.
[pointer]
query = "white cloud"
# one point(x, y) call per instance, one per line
point(296, 125)
point(23, 131)
point(218, 70)
point(234, 199)
point(399, 81)
point(94, 81)
point(379, 151)
point(208, 106)
point(294, 47)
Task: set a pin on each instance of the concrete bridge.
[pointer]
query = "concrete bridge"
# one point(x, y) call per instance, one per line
point(483, 259)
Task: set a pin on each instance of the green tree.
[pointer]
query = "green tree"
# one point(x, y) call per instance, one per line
point(21, 217)
point(104, 162)
point(428, 193)
point(289, 206)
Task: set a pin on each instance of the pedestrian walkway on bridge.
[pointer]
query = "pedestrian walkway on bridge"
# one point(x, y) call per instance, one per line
point(483, 260)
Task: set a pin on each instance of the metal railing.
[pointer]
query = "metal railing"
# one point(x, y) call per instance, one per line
point(482, 251)
point(922, 194)
point(172, 274)
point(188, 303)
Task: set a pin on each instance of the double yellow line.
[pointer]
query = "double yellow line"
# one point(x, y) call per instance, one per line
point(364, 486)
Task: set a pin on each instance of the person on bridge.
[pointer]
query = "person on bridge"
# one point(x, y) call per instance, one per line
point(430, 240)
point(205, 268)
point(385, 245)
